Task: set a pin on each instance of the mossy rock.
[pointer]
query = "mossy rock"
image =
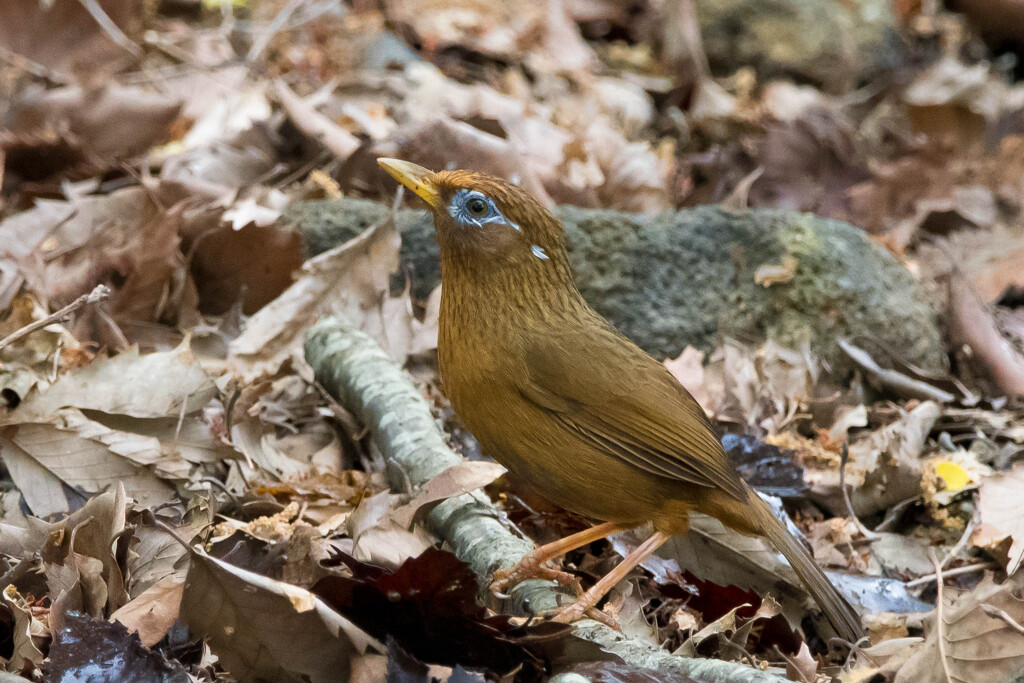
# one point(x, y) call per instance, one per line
point(834, 43)
point(688, 277)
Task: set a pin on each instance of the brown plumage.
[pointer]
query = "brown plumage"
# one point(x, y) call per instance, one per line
point(555, 394)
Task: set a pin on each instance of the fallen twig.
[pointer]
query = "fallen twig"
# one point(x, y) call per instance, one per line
point(965, 538)
point(996, 613)
point(940, 623)
point(971, 323)
point(922, 580)
point(100, 293)
point(353, 368)
point(110, 28)
point(901, 384)
point(867, 533)
point(314, 124)
point(275, 25)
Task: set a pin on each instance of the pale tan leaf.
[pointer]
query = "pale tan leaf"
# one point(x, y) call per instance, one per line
point(803, 666)
point(192, 438)
point(462, 478)
point(153, 611)
point(979, 642)
point(93, 529)
point(723, 625)
point(150, 385)
point(87, 463)
point(314, 124)
point(40, 488)
point(999, 503)
point(254, 439)
point(158, 555)
point(263, 629)
point(688, 369)
point(424, 339)
point(349, 280)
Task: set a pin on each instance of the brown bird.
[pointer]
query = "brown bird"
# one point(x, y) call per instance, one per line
point(570, 406)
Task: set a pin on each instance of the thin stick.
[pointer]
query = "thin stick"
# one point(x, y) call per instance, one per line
point(100, 293)
point(110, 28)
point(994, 611)
point(868, 534)
point(939, 617)
point(952, 572)
point(891, 379)
point(275, 25)
point(964, 538)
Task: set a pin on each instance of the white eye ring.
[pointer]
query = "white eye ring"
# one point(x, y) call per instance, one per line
point(465, 203)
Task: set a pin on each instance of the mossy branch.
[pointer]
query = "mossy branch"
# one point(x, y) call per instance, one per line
point(354, 369)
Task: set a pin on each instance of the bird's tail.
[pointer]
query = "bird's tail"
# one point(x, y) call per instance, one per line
point(845, 621)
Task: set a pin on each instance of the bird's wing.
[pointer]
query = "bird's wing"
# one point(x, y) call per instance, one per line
point(624, 403)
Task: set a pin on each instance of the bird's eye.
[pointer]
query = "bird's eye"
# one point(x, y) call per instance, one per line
point(476, 206)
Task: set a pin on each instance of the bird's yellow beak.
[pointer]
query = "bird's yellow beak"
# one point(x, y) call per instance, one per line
point(418, 179)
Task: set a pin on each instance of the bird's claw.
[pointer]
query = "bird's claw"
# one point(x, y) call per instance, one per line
point(505, 579)
point(578, 610)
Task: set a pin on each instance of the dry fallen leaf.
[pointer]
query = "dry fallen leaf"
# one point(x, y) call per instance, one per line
point(999, 505)
point(24, 632)
point(971, 323)
point(153, 611)
point(467, 476)
point(314, 124)
point(79, 558)
point(263, 629)
point(114, 385)
point(350, 280)
point(379, 538)
point(63, 36)
point(688, 369)
point(93, 116)
point(975, 636)
point(83, 455)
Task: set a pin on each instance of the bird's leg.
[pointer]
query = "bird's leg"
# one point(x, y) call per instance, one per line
point(532, 565)
point(588, 601)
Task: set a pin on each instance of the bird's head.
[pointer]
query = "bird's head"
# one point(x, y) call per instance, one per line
point(483, 220)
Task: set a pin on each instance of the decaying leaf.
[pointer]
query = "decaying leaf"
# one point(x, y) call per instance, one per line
point(350, 280)
point(975, 636)
point(883, 467)
point(25, 631)
point(84, 646)
point(268, 630)
point(86, 456)
point(431, 605)
point(1002, 524)
point(115, 385)
point(152, 612)
point(463, 478)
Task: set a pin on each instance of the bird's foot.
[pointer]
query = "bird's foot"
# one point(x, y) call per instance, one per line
point(530, 567)
point(581, 609)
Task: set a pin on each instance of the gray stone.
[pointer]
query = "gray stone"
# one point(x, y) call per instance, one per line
point(687, 277)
